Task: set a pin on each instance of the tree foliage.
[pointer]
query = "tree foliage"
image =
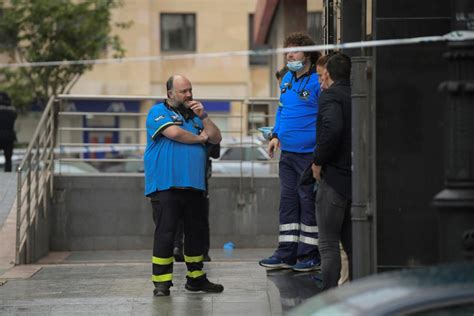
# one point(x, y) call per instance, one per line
point(53, 30)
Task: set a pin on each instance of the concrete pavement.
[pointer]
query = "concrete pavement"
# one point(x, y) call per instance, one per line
point(118, 283)
point(7, 220)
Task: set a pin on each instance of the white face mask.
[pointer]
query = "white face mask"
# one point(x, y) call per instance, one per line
point(295, 66)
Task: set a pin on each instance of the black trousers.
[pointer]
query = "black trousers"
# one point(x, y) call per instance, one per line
point(178, 238)
point(8, 152)
point(169, 207)
point(333, 213)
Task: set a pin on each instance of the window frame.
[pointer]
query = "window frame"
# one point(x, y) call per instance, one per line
point(255, 60)
point(317, 40)
point(182, 14)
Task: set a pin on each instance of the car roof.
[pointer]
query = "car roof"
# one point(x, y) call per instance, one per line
point(387, 293)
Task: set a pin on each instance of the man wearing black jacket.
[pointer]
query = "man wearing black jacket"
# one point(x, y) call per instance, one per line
point(332, 169)
point(7, 132)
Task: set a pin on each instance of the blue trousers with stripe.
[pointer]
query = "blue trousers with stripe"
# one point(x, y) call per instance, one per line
point(298, 237)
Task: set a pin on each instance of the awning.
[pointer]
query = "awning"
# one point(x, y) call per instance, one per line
point(263, 19)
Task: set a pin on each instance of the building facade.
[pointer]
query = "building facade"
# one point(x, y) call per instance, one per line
point(170, 27)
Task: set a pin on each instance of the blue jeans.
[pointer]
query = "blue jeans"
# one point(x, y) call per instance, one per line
point(333, 212)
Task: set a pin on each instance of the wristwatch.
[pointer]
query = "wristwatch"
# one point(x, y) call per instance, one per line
point(204, 116)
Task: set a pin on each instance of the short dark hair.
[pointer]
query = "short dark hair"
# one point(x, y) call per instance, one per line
point(302, 39)
point(5, 99)
point(323, 60)
point(339, 67)
point(281, 73)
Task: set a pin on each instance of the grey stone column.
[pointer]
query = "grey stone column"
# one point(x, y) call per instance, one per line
point(455, 203)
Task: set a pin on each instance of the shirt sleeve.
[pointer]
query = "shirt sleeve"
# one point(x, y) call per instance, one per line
point(276, 128)
point(329, 133)
point(157, 120)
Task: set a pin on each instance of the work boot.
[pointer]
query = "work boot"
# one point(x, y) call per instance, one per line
point(206, 257)
point(162, 288)
point(178, 254)
point(204, 285)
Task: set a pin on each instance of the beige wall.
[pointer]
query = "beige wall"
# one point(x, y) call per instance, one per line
point(315, 5)
point(220, 26)
point(126, 78)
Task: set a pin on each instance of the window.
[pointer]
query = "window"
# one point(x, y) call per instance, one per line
point(315, 27)
point(243, 153)
point(255, 60)
point(178, 32)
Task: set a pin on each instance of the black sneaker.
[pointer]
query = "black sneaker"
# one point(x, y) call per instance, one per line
point(162, 288)
point(178, 254)
point(204, 286)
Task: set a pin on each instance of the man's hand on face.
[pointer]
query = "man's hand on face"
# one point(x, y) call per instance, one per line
point(196, 107)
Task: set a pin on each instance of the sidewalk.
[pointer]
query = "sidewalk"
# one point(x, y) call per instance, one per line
point(7, 220)
point(118, 283)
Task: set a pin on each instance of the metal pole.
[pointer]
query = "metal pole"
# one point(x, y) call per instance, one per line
point(364, 254)
point(352, 19)
point(329, 21)
point(18, 215)
point(455, 203)
point(28, 214)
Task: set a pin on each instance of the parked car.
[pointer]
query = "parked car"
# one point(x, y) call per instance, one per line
point(127, 166)
point(73, 167)
point(436, 290)
point(247, 157)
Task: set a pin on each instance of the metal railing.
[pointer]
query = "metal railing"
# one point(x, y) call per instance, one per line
point(35, 185)
point(239, 130)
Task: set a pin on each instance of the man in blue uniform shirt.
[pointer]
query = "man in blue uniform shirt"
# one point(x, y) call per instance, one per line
point(295, 133)
point(175, 159)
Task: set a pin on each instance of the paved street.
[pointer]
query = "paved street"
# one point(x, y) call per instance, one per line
point(117, 283)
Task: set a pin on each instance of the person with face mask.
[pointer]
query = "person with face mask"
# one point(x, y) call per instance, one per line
point(295, 134)
point(178, 131)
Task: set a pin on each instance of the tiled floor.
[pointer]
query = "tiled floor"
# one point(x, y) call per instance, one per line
point(117, 283)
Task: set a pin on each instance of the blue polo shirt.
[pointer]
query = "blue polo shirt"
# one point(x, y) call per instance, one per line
point(295, 122)
point(168, 163)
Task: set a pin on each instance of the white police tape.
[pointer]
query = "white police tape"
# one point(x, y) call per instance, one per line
point(450, 37)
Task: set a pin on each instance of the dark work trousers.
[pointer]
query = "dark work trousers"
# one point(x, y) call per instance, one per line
point(8, 152)
point(298, 238)
point(333, 212)
point(169, 207)
point(178, 238)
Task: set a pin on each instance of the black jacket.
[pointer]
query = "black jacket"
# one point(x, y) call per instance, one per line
point(333, 137)
point(7, 124)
